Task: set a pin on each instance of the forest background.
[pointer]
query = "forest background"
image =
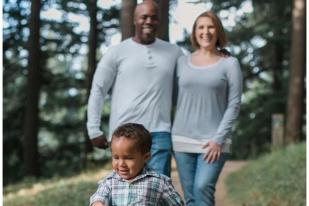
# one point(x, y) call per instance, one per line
point(48, 65)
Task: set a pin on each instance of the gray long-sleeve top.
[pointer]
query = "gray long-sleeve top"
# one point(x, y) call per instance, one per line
point(141, 80)
point(208, 100)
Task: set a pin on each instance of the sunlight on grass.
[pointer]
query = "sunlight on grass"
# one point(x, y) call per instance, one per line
point(74, 190)
point(276, 179)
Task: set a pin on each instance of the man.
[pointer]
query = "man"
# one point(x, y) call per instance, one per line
point(139, 71)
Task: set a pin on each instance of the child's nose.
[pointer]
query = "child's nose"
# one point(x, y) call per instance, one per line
point(121, 162)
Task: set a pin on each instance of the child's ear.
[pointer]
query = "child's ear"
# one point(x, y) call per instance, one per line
point(147, 156)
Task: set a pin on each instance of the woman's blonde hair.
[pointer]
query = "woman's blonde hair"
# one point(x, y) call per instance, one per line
point(222, 40)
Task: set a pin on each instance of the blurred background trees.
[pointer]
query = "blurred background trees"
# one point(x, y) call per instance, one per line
point(48, 65)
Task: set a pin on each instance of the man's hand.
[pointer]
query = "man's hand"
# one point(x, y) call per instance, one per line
point(224, 53)
point(100, 142)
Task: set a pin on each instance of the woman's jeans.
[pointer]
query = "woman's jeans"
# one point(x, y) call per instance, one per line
point(161, 153)
point(198, 178)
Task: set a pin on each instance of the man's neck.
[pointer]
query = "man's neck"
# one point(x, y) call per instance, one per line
point(138, 40)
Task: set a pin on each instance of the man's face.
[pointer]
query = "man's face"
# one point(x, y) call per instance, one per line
point(146, 21)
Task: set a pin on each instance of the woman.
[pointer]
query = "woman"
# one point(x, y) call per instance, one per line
point(210, 87)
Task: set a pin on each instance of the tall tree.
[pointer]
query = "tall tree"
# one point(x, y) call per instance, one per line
point(30, 141)
point(297, 70)
point(126, 18)
point(14, 84)
point(92, 47)
point(163, 32)
point(92, 41)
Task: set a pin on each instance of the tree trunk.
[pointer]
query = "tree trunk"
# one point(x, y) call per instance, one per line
point(163, 28)
point(277, 68)
point(278, 48)
point(30, 140)
point(126, 18)
point(92, 47)
point(297, 70)
point(164, 20)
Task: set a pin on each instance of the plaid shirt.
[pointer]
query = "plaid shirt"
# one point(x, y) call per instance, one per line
point(147, 189)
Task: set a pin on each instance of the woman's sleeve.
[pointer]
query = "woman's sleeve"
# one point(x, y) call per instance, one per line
point(235, 86)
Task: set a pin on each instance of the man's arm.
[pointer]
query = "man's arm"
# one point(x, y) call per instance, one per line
point(103, 80)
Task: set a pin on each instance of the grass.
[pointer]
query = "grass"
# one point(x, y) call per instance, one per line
point(73, 191)
point(276, 179)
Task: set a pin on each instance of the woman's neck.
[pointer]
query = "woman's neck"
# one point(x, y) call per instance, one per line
point(203, 57)
point(207, 53)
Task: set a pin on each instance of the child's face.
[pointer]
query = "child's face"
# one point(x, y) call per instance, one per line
point(127, 160)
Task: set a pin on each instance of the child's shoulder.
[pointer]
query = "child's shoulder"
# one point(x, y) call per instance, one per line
point(157, 175)
point(108, 177)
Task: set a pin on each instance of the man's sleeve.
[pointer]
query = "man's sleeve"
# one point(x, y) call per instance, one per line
point(103, 79)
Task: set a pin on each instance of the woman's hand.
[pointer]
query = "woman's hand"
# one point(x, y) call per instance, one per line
point(213, 151)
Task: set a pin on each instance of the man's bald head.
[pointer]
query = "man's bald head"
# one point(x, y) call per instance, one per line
point(149, 3)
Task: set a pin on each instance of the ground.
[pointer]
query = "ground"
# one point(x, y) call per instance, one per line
point(222, 198)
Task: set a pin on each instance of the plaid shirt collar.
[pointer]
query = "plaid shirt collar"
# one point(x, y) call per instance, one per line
point(144, 173)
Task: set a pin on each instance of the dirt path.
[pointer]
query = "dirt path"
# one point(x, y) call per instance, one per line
point(221, 193)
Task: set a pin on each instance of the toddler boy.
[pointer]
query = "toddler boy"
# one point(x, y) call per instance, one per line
point(132, 182)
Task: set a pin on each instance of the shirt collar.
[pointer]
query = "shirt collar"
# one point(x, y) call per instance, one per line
point(144, 173)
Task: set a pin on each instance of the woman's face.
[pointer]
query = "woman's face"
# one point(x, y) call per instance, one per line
point(206, 33)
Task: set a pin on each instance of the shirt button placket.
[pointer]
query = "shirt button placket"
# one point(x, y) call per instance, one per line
point(126, 198)
point(150, 59)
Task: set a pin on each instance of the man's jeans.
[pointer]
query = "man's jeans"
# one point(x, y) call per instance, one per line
point(161, 153)
point(198, 178)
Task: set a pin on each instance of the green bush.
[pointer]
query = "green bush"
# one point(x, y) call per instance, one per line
point(276, 179)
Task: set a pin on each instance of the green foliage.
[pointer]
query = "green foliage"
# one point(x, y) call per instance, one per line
point(252, 133)
point(275, 179)
point(63, 94)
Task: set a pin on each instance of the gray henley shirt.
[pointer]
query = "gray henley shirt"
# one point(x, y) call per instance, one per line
point(141, 80)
